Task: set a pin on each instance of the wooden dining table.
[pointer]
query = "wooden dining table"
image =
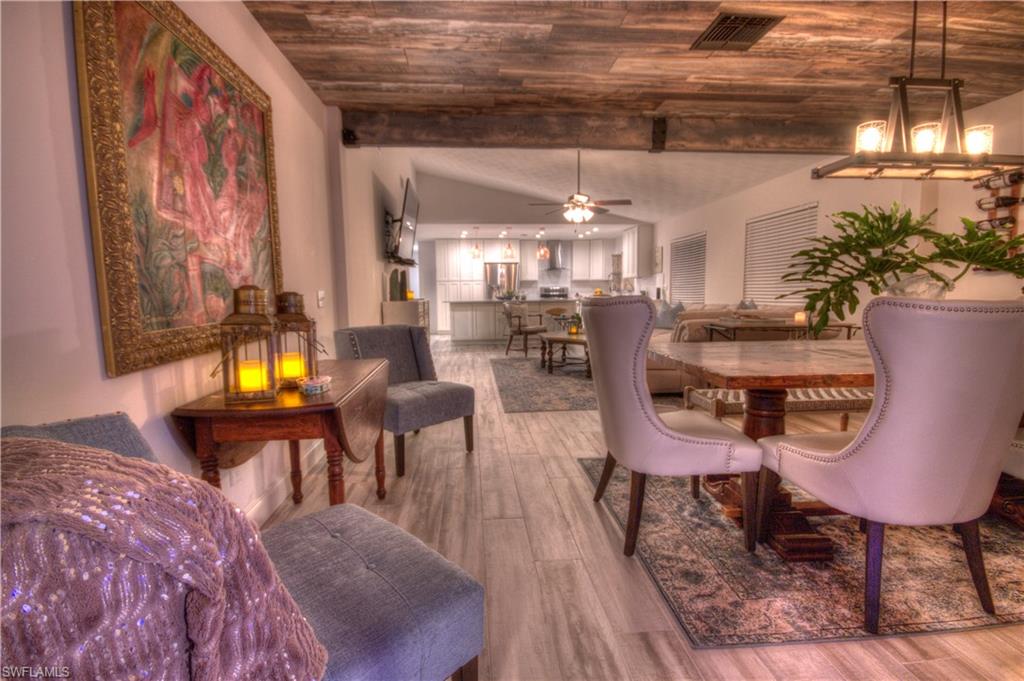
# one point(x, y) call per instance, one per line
point(766, 370)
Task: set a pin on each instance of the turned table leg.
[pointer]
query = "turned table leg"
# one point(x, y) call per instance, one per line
point(551, 347)
point(378, 460)
point(331, 431)
point(293, 447)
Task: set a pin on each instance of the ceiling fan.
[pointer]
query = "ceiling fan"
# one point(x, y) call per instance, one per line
point(579, 207)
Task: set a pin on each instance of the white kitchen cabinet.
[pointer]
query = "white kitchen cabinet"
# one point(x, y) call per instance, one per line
point(580, 260)
point(600, 259)
point(447, 291)
point(470, 268)
point(494, 250)
point(484, 324)
point(591, 259)
point(462, 322)
point(638, 251)
point(529, 270)
point(447, 259)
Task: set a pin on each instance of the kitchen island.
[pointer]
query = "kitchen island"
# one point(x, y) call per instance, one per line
point(483, 321)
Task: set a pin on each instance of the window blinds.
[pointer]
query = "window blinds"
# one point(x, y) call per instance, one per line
point(686, 269)
point(771, 241)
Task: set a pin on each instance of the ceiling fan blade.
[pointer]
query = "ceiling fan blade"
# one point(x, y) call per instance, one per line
point(546, 204)
point(557, 210)
point(600, 211)
point(614, 202)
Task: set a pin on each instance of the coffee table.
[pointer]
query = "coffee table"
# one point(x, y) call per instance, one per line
point(565, 339)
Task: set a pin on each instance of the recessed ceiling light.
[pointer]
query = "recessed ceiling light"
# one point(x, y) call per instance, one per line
point(593, 229)
point(579, 236)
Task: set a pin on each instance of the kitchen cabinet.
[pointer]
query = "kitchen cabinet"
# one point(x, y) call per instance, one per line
point(474, 321)
point(638, 251)
point(529, 270)
point(591, 259)
point(494, 250)
point(470, 268)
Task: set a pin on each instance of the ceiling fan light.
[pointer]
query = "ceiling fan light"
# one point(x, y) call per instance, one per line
point(870, 136)
point(587, 214)
point(978, 139)
point(925, 138)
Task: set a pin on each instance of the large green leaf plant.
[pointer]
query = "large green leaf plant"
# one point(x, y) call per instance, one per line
point(881, 248)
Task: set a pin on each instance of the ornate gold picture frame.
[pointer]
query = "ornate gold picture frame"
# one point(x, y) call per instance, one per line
point(179, 159)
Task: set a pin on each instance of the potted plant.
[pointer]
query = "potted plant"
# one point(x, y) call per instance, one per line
point(893, 253)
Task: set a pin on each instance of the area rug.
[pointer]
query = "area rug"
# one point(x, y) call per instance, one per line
point(523, 386)
point(721, 595)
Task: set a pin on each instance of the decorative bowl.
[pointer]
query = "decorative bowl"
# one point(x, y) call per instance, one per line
point(314, 385)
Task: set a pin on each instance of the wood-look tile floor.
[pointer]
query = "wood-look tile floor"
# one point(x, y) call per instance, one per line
point(562, 601)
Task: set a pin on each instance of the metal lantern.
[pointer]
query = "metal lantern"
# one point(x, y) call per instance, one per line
point(296, 340)
point(249, 348)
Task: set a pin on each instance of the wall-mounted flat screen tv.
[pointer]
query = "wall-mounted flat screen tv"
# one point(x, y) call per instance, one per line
point(404, 228)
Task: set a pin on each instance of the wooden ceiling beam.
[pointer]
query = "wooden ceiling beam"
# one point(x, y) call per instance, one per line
point(415, 129)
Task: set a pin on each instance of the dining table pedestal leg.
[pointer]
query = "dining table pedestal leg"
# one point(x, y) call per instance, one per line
point(788, 531)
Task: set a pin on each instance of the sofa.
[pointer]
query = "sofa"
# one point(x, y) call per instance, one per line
point(688, 327)
point(382, 604)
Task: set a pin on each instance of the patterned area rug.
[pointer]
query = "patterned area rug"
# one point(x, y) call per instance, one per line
point(524, 386)
point(722, 595)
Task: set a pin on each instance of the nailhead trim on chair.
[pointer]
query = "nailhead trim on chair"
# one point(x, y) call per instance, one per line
point(640, 392)
point(877, 414)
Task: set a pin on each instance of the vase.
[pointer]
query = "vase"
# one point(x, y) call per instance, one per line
point(921, 285)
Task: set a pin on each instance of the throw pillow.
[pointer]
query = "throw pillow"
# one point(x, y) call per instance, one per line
point(666, 318)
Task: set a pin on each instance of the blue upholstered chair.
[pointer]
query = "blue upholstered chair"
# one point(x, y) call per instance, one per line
point(383, 604)
point(415, 397)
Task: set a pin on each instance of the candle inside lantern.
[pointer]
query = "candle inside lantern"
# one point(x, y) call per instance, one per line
point(292, 365)
point(252, 376)
point(800, 317)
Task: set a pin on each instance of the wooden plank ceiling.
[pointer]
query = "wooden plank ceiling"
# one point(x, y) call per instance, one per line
point(595, 74)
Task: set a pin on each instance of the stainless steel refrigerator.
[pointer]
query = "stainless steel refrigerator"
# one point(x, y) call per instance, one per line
point(501, 277)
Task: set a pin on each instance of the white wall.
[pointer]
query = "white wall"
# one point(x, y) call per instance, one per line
point(52, 353)
point(725, 219)
point(372, 181)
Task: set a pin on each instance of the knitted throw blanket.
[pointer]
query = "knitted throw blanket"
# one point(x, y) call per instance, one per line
point(118, 568)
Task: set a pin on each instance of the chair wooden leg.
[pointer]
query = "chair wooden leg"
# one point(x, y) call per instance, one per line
point(637, 484)
point(873, 575)
point(844, 421)
point(399, 454)
point(767, 481)
point(748, 485)
point(972, 547)
point(468, 672)
point(695, 486)
point(687, 391)
point(508, 347)
point(606, 475)
point(467, 427)
point(526, 345)
point(863, 525)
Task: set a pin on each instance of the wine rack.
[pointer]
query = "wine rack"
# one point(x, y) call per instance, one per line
point(1014, 181)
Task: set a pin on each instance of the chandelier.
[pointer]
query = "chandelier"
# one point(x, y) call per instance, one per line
point(894, 149)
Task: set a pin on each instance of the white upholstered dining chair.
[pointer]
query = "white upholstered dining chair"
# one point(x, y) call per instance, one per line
point(678, 443)
point(949, 389)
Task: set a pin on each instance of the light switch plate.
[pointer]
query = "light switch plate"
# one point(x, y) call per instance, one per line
point(321, 298)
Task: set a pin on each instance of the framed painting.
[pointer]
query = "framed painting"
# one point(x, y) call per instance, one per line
point(179, 164)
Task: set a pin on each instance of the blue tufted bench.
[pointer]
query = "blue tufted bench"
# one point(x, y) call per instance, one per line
point(384, 605)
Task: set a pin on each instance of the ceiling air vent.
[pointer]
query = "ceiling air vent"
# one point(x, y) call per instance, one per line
point(735, 31)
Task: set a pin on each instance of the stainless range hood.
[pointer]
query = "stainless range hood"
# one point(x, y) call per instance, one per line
point(557, 259)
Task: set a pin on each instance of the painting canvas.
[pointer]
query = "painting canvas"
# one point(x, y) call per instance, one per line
point(179, 160)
